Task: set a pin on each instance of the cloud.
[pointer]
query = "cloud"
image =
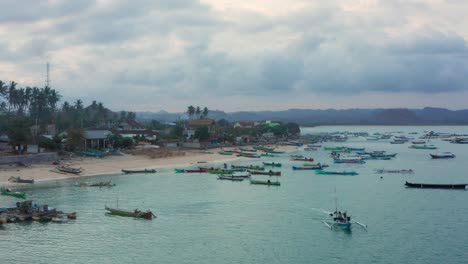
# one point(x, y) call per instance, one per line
point(175, 49)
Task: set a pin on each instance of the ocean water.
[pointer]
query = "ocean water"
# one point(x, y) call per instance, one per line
point(204, 220)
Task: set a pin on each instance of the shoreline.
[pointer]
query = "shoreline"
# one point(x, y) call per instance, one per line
point(110, 166)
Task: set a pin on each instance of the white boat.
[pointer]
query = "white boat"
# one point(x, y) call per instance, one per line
point(442, 155)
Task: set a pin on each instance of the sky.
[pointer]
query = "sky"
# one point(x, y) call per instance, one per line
point(151, 55)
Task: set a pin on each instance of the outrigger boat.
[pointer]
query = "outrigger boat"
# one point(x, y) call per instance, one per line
point(9, 192)
point(435, 186)
point(341, 220)
point(69, 169)
point(443, 155)
point(315, 165)
point(345, 173)
point(272, 164)
point(20, 180)
point(250, 167)
point(268, 182)
point(136, 213)
point(303, 159)
point(230, 177)
point(381, 171)
point(269, 173)
point(307, 168)
point(139, 171)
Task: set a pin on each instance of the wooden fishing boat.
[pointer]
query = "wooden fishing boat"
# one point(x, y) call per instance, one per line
point(250, 167)
point(20, 180)
point(268, 182)
point(9, 192)
point(248, 155)
point(221, 172)
point(349, 161)
point(69, 169)
point(344, 173)
point(267, 155)
point(197, 171)
point(303, 159)
point(136, 213)
point(178, 170)
point(341, 220)
point(381, 171)
point(443, 155)
point(272, 164)
point(422, 147)
point(276, 152)
point(269, 173)
point(435, 186)
point(297, 156)
point(225, 153)
point(101, 184)
point(307, 168)
point(139, 171)
point(355, 149)
point(336, 149)
point(310, 149)
point(230, 178)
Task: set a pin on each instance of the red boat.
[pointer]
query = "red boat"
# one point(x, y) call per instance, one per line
point(196, 171)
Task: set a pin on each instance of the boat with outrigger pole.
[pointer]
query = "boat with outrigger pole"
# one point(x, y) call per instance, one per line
point(341, 220)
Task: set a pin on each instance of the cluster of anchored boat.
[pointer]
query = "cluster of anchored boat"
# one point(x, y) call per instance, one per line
point(29, 211)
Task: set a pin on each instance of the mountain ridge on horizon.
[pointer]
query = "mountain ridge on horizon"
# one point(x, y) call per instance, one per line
point(351, 116)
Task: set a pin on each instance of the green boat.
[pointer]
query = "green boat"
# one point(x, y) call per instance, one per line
point(221, 172)
point(225, 153)
point(136, 213)
point(179, 170)
point(14, 194)
point(140, 171)
point(272, 164)
point(346, 173)
point(276, 152)
point(267, 155)
point(268, 182)
point(336, 149)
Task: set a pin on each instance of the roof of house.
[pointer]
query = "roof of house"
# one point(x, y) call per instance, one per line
point(202, 122)
point(96, 134)
point(246, 123)
point(134, 123)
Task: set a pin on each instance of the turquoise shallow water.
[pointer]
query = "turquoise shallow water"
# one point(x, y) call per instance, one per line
point(204, 220)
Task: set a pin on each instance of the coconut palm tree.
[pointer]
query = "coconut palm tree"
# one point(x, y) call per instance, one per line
point(198, 111)
point(190, 111)
point(205, 111)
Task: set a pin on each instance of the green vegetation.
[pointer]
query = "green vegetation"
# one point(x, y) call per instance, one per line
point(202, 133)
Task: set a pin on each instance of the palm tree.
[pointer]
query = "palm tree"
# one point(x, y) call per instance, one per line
point(198, 111)
point(205, 111)
point(11, 95)
point(191, 111)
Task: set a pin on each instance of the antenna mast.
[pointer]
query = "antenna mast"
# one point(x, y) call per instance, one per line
point(48, 75)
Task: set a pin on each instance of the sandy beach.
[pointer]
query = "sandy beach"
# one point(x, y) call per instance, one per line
point(114, 164)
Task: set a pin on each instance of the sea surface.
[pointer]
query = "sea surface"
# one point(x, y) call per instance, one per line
point(204, 220)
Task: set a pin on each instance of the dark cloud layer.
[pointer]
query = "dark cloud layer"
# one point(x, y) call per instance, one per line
point(179, 47)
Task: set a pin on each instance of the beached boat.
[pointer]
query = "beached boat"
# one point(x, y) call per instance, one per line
point(136, 213)
point(140, 171)
point(230, 178)
point(382, 171)
point(196, 171)
point(435, 186)
point(248, 155)
point(225, 153)
point(268, 182)
point(9, 192)
point(20, 180)
point(443, 155)
point(269, 173)
point(69, 169)
point(307, 168)
point(422, 147)
point(272, 164)
point(178, 170)
point(345, 173)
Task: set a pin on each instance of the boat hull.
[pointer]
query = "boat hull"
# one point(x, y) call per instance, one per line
point(435, 186)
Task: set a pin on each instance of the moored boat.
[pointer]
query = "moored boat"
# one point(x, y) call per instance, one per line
point(268, 182)
point(382, 171)
point(230, 178)
point(349, 160)
point(250, 167)
point(345, 173)
point(435, 186)
point(422, 147)
point(443, 155)
point(139, 171)
point(269, 173)
point(225, 153)
point(272, 164)
point(303, 159)
point(9, 192)
point(307, 168)
point(136, 213)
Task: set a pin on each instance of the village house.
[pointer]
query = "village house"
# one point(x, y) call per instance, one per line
point(131, 125)
point(245, 124)
point(197, 123)
point(142, 133)
point(96, 139)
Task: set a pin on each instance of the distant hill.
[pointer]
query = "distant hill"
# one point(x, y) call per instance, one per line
point(393, 116)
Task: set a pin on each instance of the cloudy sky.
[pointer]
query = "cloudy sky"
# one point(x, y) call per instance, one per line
point(148, 55)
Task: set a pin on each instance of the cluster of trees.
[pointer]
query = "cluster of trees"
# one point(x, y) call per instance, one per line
point(197, 111)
